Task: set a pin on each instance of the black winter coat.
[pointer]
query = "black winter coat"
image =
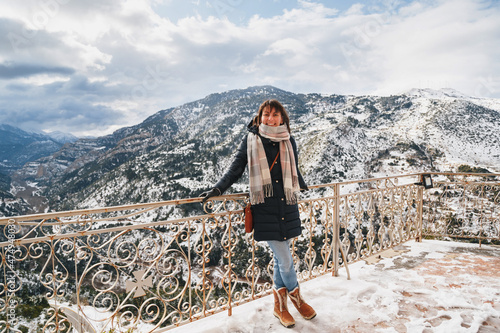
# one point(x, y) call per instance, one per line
point(273, 219)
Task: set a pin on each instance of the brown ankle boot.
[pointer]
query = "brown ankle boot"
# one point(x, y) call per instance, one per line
point(304, 309)
point(281, 308)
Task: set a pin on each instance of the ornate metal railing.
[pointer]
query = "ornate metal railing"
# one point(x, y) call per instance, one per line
point(155, 266)
point(463, 206)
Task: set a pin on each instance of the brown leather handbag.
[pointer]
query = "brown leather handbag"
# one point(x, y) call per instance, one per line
point(248, 208)
point(248, 218)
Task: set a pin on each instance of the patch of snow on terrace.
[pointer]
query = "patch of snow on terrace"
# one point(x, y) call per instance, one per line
point(425, 289)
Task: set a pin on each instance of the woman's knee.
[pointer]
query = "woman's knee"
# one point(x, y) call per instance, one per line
point(285, 263)
point(282, 255)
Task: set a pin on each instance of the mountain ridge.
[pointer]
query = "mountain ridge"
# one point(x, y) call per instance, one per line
point(18, 147)
point(179, 151)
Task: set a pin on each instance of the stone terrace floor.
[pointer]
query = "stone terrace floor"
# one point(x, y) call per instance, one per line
point(431, 286)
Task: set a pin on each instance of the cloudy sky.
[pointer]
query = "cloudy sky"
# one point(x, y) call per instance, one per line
point(91, 67)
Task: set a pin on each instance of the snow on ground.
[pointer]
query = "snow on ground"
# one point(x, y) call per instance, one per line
point(432, 286)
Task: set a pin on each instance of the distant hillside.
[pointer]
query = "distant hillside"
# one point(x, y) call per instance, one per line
point(61, 137)
point(9, 204)
point(18, 147)
point(181, 151)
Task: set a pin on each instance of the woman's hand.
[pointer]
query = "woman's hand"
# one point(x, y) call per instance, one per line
point(210, 193)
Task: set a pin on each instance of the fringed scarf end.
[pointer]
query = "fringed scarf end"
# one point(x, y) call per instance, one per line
point(257, 197)
point(291, 197)
point(268, 190)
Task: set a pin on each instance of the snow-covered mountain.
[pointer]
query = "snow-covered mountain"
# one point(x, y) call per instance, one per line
point(62, 137)
point(181, 151)
point(18, 147)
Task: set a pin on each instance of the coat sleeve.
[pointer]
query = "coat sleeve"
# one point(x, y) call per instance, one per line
point(236, 169)
point(302, 183)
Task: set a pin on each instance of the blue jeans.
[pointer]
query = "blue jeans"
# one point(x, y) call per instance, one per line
point(284, 272)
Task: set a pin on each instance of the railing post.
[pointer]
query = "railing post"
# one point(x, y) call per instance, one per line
point(190, 290)
point(336, 230)
point(229, 255)
point(420, 196)
point(203, 267)
point(253, 267)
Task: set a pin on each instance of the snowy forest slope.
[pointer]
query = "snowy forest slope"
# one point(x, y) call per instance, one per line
point(181, 151)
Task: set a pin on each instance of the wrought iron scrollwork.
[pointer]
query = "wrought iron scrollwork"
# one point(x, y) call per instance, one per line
point(119, 268)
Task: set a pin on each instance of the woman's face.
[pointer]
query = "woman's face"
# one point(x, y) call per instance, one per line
point(271, 117)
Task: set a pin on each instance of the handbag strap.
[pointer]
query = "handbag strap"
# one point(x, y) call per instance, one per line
point(272, 165)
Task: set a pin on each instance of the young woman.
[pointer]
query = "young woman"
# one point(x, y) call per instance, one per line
point(273, 195)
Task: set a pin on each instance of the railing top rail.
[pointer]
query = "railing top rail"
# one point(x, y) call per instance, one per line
point(80, 212)
point(152, 205)
point(368, 180)
point(22, 241)
point(463, 174)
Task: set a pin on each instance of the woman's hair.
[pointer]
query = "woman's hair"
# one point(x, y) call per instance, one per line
point(272, 104)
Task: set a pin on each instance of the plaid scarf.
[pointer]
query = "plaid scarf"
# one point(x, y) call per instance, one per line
point(260, 177)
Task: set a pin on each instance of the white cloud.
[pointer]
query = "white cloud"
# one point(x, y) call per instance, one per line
point(295, 52)
point(453, 43)
point(126, 59)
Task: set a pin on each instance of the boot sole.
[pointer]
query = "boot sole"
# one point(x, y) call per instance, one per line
point(282, 323)
point(309, 318)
